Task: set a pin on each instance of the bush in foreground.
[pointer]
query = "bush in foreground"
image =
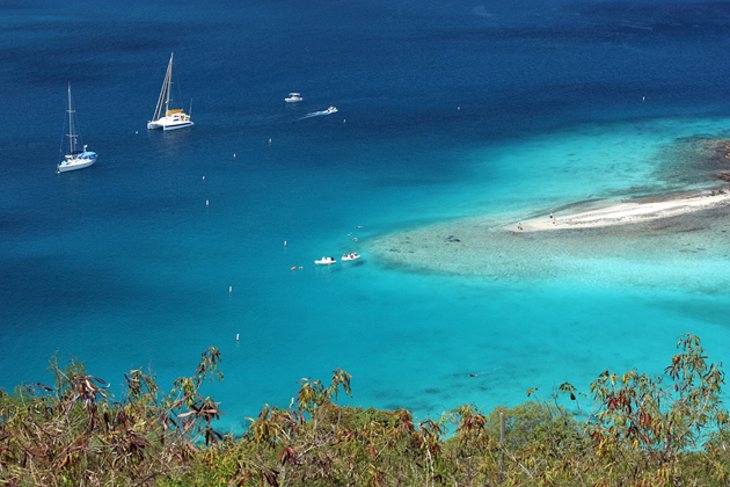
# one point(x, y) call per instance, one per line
point(643, 430)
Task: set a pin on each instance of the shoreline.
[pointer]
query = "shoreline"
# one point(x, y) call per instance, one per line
point(627, 211)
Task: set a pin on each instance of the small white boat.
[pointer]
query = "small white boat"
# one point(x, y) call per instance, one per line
point(325, 261)
point(294, 98)
point(331, 109)
point(174, 118)
point(74, 159)
point(350, 256)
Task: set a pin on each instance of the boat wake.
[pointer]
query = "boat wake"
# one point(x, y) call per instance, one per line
point(319, 113)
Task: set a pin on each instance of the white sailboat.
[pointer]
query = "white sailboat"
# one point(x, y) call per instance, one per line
point(74, 159)
point(173, 119)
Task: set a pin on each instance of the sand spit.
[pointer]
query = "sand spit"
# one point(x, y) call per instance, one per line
point(679, 238)
point(628, 211)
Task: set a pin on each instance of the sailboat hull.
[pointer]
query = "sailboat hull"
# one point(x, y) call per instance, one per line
point(178, 126)
point(169, 123)
point(75, 164)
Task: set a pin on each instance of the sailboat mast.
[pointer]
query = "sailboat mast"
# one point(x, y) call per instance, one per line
point(71, 129)
point(168, 78)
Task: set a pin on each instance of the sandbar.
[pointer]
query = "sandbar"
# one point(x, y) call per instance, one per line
point(627, 211)
point(631, 240)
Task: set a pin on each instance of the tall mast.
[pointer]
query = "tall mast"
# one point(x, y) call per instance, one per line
point(71, 129)
point(168, 78)
point(164, 92)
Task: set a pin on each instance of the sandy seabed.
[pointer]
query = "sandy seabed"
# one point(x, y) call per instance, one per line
point(674, 238)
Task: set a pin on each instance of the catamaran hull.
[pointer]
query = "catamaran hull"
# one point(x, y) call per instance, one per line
point(178, 126)
point(168, 126)
point(75, 165)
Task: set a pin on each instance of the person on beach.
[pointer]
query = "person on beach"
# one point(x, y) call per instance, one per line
point(519, 226)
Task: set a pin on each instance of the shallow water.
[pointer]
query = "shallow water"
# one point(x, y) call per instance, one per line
point(445, 111)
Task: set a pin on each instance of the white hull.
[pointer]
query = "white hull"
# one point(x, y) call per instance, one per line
point(74, 164)
point(169, 123)
point(178, 126)
point(346, 258)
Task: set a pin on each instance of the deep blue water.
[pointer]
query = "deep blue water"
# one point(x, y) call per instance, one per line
point(446, 109)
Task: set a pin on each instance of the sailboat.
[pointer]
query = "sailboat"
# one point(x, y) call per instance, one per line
point(174, 118)
point(74, 158)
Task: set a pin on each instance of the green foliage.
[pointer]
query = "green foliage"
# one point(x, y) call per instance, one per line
point(643, 431)
point(645, 428)
point(76, 433)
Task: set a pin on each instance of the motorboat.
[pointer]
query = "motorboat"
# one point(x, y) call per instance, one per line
point(294, 98)
point(174, 118)
point(325, 261)
point(331, 109)
point(74, 159)
point(350, 256)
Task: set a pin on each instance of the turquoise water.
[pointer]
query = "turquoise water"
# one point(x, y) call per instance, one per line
point(445, 112)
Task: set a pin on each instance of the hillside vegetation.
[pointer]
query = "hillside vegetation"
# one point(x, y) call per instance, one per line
point(630, 429)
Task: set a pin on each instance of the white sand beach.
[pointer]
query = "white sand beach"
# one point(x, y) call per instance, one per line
point(628, 211)
point(683, 228)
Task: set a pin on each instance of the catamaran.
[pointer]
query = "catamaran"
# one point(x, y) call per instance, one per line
point(174, 118)
point(74, 158)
